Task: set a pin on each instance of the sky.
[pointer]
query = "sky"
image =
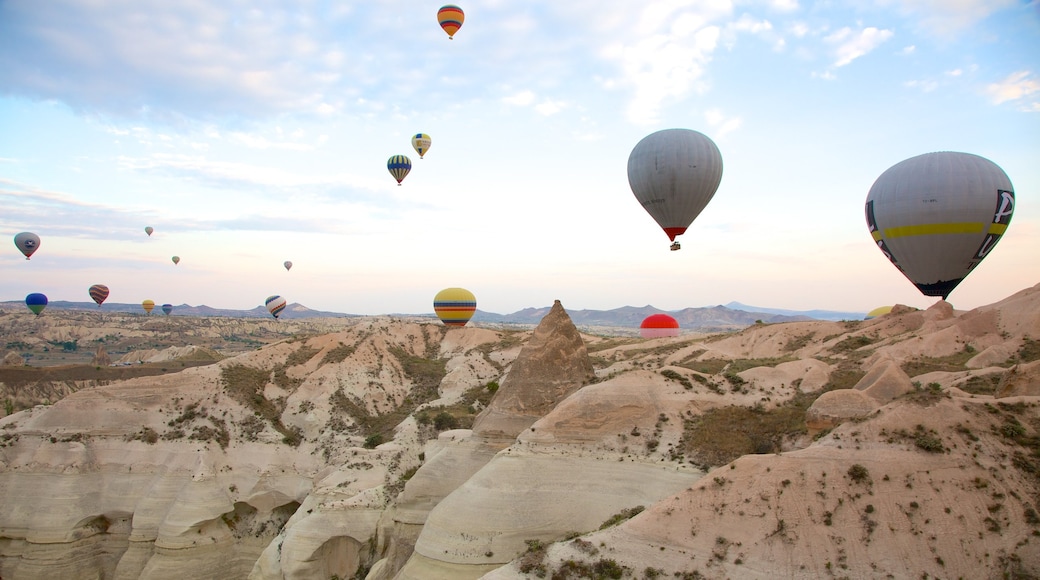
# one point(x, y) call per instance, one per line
point(248, 133)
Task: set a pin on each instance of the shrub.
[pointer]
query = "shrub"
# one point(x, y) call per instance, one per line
point(859, 474)
point(445, 421)
point(374, 440)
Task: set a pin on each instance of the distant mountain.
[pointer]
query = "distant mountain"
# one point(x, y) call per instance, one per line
point(833, 315)
point(709, 318)
point(732, 316)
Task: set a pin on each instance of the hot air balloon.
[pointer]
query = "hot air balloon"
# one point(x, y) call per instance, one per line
point(938, 215)
point(36, 302)
point(98, 292)
point(399, 166)
point(167, 309)
point(450, 18)
point(674, 174)
point(658, 325)
point(27, 243)
point(288, 265)
point(148, 230)
point(454, 306)
point(275, 305)
point(421, 143)
point(879, 311)
point(176, 260)
point(148, 305)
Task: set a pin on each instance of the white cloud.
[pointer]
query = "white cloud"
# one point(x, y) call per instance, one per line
point(784, 5)
point(851, 45)
point(746, 23)
point(521, 99)
point(1017, 86)
point(924, 85)
point(908, 50)
point(720, 123)
point(948, 17)
point(549, 107)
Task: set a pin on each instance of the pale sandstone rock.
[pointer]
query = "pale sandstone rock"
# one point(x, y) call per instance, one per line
point(885, 381)
point(1020, 380)
point(800, 514)
point(834, 407)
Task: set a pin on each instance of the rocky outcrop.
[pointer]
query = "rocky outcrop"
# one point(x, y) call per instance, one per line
point(835, 407)
point(1020, 380)
point(885, 381)
point(553, 364)
point(13, 359)
point(101, 357)
point(898, 495)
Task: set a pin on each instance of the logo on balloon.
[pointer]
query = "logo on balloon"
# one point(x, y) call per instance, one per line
point(1001, 220)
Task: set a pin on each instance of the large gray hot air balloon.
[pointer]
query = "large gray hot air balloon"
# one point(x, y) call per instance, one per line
point(674, 174)
point(937, 215)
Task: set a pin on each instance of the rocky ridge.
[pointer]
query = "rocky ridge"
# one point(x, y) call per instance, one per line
point(379, 451)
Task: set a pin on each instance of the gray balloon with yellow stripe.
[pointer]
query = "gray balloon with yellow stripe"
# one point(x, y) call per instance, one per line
point(938, 215)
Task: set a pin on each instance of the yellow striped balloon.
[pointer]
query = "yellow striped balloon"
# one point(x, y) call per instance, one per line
point(148, 305)
point(454, 306)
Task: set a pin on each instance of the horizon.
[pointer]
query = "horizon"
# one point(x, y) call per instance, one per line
point(248, 137)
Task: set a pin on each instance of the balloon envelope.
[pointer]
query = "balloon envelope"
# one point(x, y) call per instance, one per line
point(658, 325)
point(98, 293)
point(399, 166)
point(148, 230)
point(148, 305)
point(287, 264)
point(275, 305)
point(938, 215)
point(36, 302)
point(176, 259)
point(450, 18)
point(167, 309)
point(421, 143)
point(27, 243)
point(879, 311)
point(454, 306)
point(674, 174)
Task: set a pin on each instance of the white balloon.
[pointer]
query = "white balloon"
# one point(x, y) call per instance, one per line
point(938, 215)
point(674, 173)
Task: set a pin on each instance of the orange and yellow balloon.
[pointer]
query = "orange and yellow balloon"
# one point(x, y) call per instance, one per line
point(148, 305)
point(450, 18)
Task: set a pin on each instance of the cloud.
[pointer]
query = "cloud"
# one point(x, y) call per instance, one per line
point(1018, 86)
point(949, 17)
point(720, 123)
point(193, 60)
point(521, 99)
point(666, 58)
point(850, 45)
point(549, 107)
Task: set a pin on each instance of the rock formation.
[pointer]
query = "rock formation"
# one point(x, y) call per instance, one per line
point(13, 359)
point(315, 456)
point(101, 357)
